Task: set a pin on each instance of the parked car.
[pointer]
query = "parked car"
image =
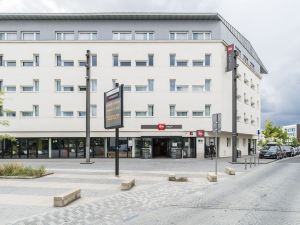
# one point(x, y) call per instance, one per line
point(297, 150)
point(274, 152)
point(262, 152)
point(289, 151)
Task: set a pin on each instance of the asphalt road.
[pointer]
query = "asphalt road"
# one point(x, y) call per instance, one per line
point(268, 195)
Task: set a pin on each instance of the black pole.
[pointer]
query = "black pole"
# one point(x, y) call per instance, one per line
point(234, 108)
point(87, 106)
point(117, 153)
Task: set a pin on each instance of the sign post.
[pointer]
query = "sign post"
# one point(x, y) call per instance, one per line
point(216, 127)
point(113, 116)
point(232, 65)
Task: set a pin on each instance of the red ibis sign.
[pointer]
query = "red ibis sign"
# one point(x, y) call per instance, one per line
point(161, 126)
point(200, 133)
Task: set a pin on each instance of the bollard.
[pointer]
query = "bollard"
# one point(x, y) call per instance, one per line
point(250, 163)
point(245, 164)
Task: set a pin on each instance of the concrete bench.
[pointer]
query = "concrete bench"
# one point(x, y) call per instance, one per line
point(211, 177)
point(66, 198)
point(172, 177)
point(229, 170)
point(127, 185)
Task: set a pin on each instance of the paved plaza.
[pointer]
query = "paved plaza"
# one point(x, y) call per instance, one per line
point(102, 202)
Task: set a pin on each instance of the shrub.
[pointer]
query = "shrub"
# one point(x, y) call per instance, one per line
point(15, 169)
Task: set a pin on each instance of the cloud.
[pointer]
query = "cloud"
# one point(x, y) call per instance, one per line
point(272, 26)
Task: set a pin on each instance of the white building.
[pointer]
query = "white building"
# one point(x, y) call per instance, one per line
point(173, 68)
point(293, 131)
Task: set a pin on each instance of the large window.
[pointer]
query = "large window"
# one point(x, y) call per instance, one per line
point(179, 35)
point(200, 35)
point(85, 35)
point(65, 36)
point(144, 36)
point(8, 36)
point(122, 35)
point(30, 36)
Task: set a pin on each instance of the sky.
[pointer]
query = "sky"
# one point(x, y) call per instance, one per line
point(272, 26)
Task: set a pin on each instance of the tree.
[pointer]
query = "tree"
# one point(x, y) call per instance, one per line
point(4, 122)
point(275, 133)
point(295, 142)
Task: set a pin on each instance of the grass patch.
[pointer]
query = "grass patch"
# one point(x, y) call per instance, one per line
point(15, 169)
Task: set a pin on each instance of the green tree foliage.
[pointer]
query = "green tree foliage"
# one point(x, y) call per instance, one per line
point(275, 133)
point(4, 122)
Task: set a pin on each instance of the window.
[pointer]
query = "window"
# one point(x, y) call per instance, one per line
point(197, 88)
point(11, 114)
point(122, 36)
point(140, 113)
point(127, 113)
point(57, 85)
point(244, 142)
point(36, 110)
point(207, 85)
point(82, 62)
point(140, 88)
point(201, 35)
point(94, 110)
point(27, 114)
point(11, 63)
point(58, 60)
point(182, 88)
point(144, 36)
point(8, 36)
point(172, 60)
point(27, 88)
point(198, 63)
point(150, 110)
point(30, 36)
point(93, 85)
point(198, 113)
point(94, 60)
point(87, 35)
point(33, 113)
point(68, 63)
point(182, 63)
point(228, 142)
point(207, 59)
point(172, 110)
point(172, 85)
point(150, 60)
point(141, 63)
point(10, 88)
point(68, 88)
point(178, 35)
point(182, 113)
point(36, 59)
point(68, 113)
point(1, 60)
point(27, 63)
point(65, 36)
point(207, 110)
point(81, 113)
point(82, 88)
point(127, 88)
point(1, 85)
point(150, 85)
point(252, 65)
point(114, 83)
point(115, 60)
point(126, 63)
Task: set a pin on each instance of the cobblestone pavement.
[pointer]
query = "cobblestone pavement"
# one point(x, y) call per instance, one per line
point(102, 202)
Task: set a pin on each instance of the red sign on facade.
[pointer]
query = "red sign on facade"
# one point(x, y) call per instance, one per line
point(161, 126)
point(200, 133)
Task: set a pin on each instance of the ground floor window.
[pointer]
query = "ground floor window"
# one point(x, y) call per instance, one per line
point(125, 147)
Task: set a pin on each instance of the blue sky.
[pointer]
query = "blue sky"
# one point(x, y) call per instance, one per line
point(272, 26)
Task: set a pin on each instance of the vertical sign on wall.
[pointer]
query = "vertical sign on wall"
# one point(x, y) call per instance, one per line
point(230, 58)
point(113, 116)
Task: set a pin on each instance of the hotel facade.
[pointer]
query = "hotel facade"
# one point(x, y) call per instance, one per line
point(172, 65)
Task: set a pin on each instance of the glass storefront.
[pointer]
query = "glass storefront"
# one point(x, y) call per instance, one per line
point(125, 147)
point(61, 148)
